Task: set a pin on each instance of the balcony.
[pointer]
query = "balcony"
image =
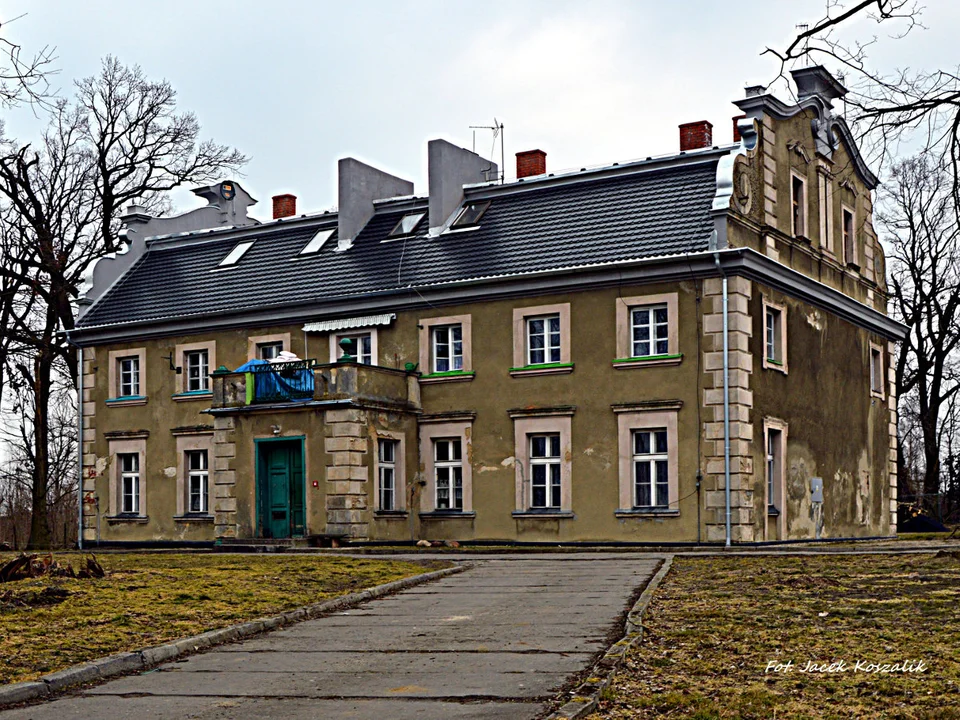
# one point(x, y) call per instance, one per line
point(272, 385)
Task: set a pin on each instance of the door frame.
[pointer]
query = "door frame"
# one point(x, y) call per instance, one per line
point(259, 457)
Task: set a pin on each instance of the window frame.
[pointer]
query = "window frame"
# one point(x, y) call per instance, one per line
point(426, 327)
point(799, 209)
point(444, 427)
point(254, 341)
point(181, 382)
point(521, 366)
point(632, 419)
point(116, 448)
point(201, 474)
point(192, 442)
point(113, 377)
point(458, 223)
point(125, 475)
point(624, 327)
point(877, 371)
point(397, 231)
point(549, 350)
point(825, 197)
point(132, 388)
point(552, 486)
point(775, 506)
point(452, 465)
point(529, 423)
point(399, 472)
point(335, 338)
point(850, 250)
point(651, 459)
point(780, 344)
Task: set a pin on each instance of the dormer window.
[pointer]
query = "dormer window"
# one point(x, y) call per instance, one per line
point(234, 257)
point(798, 206)
point(408, 224)
point(470, 215)
point(317, 241)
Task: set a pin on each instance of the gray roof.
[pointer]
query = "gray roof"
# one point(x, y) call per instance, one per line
point(596, 217)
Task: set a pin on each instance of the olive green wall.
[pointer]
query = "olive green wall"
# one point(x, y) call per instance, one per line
point(837, 430)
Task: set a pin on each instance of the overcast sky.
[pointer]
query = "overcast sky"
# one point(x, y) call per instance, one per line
point(297, 85)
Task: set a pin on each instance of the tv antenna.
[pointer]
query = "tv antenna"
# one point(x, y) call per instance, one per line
point(497, 130)
point(805, 55)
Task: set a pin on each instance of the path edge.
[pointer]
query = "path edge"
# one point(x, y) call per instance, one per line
point(127, 662)
point(586, 696)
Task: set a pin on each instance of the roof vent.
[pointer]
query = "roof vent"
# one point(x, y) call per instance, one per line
point(531, 162)
point(284, 206)
point(696, 135)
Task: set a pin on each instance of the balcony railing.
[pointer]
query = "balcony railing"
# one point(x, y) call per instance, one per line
point(257, 383)
point(280, 382)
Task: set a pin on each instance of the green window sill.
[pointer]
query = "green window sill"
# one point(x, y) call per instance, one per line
point(127, 400)
point(449, 376)
point(542, 369)
point(648, 361)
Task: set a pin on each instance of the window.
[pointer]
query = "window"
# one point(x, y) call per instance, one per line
point(543, 467)
point(773, 468)
point(649, 473)
point(545, 482)
point(197, 368)
point(444, 447)
point(269, 350)
point(649, 331)
point(826, 211)
point(407, 225)
point(129, 483)
point(470, 215)
point(387, 474)
point(317, 241)
point(543, 340)
point(798, 206)
point(650, 469)
point(447, 348)
point(234, 255)
point(359, 347)
point(774, 336)
point(448, 466)
point(876, 370)
point(849, 238)
point(198, 478)
point(129, 372)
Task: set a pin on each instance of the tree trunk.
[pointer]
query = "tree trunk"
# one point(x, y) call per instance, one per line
point(39, 522)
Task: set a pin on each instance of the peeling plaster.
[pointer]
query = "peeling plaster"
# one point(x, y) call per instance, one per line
point(170, 472)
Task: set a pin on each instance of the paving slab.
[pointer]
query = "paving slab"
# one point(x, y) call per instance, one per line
point(497, 641)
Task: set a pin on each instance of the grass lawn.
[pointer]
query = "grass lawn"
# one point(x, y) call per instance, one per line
point(715, 624)
point(149, 599)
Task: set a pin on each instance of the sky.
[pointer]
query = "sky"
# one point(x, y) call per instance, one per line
point(298, 85)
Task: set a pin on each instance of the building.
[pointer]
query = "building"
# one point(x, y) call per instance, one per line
point(684, 348)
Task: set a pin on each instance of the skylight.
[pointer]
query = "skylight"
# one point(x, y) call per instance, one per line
point(471, 214)
point(317, 241)
point(234, 257)
point(408, 223)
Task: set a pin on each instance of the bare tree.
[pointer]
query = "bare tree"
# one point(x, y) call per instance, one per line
point(919, 216)
point(23, 78)
point(120, 140)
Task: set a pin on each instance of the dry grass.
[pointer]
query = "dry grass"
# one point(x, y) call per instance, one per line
point(716, 622)
point(149, 599)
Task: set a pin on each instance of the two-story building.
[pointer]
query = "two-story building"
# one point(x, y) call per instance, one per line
point(693, 347)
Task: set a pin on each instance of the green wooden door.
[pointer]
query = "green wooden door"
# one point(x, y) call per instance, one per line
point(282, 501)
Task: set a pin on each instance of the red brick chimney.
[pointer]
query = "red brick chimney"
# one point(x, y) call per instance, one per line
point(736, 130)
point(284, 206)
point(696, 135)
point(531, 162)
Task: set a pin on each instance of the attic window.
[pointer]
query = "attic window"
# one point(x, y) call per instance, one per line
point(471, 214)
point(234, 257)
point(408, 223)
point(317, 241)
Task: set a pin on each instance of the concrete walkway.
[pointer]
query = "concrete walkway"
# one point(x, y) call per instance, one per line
point(496, 641)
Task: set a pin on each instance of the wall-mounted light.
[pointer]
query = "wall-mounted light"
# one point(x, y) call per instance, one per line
point(169, 358)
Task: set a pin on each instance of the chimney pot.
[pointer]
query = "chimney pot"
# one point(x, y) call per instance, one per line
point(284, 206)
point(696, 135)
point(531, 162)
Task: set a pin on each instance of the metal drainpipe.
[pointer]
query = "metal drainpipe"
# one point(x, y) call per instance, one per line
point(80, 449)
point(726, 404)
